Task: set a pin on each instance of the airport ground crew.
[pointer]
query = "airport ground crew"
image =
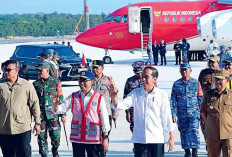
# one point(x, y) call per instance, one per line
point(228, 67)
point(186, 56)
point(155, 50)
point(215, 50)
point(163, 52)
point(186, 99)
point(101, 84)
point(216, 110)
point(44, 57)
point(132, 83)
point(47, 88)
point(90, 132)
point(18, 103)
point(210, 48)
point(223, 56)
point(177, 49)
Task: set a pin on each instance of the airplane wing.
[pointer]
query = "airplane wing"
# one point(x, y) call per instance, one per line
point(225, 1)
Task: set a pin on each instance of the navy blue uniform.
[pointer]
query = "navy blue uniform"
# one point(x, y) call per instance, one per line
point(163, 52)
point(131, 83)
point(186, 99)
point(177, 48)
point(155, 49)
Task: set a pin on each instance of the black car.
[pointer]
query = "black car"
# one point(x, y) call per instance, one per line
point(70, 66)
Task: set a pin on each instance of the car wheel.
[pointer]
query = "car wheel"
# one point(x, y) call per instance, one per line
point(107, 60)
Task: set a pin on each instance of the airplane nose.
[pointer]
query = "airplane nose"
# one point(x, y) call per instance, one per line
point(95, 36)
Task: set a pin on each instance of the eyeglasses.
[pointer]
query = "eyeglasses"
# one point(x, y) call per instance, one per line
point(84, 80)
point(8, 69)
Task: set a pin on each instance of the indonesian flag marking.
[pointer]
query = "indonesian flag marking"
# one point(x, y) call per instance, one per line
point(84, 62)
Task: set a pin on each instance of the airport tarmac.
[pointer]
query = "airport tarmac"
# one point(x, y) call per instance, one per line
point(120, 144)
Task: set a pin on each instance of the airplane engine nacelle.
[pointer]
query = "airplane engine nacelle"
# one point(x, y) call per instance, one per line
point(205, 25)
point(221, 28)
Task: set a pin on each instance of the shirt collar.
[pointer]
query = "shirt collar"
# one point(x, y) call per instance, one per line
point(89, 94)
point(18, 82)
point(224, 92)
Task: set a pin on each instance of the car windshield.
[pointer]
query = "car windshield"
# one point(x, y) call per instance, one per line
point(64, 52)
point(109, 18)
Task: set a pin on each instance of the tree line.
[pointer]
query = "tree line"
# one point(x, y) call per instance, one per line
point(42, 24)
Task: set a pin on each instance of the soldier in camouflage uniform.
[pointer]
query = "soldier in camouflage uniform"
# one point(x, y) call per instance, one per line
point(132, 83)
point(47, 88)
point(186, 99)
point(101, 84)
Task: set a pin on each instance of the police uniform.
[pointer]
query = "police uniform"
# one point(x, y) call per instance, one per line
point(206, 77)
point(177, 48)
point(218, 123)
point(46, 91)
point(229, 85)
point(186, 99)
point(132, 83)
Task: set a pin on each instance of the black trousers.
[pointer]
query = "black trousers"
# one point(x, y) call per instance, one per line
point(178, 57)
point(163, 57)
point(155, 57)
point(16, 145)
point(149, 150)
point(93, 150)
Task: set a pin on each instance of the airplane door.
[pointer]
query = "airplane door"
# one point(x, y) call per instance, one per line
point(134, 19)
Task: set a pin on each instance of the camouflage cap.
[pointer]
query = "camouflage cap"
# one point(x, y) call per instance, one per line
point(214, 58)
point(138, 66)
point(87, 75)
point(222, 74)
point(98, 63)
point(185, 66)
point(227, 61)
point(43, 66)
point(45, 55)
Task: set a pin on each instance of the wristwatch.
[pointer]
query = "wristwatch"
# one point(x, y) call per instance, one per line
point(105, 136)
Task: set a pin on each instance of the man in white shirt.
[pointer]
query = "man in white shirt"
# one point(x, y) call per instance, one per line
point(152, 115)
point(90, 121)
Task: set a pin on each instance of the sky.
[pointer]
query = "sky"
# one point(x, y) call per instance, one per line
point(64, 6)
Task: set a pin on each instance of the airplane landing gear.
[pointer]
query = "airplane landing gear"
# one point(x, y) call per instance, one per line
point(107, 59)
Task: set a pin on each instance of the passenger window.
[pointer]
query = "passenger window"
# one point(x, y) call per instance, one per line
point(20, 52)
point(182, 19)
point(124, 18)
point(30, 52)
point(190, 19)
point(174, 19)
point(166, 19)
point(117, 19)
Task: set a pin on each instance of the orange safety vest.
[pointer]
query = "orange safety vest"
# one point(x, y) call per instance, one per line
point(86, 126)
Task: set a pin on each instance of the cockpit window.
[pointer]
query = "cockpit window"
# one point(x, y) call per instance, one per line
point(117, 19)
point(124, 18)
point(109, 18)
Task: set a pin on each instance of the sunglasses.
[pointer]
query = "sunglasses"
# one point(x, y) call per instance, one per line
point(8, 69)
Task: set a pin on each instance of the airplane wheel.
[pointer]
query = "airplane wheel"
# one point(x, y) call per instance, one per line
point(107, 60)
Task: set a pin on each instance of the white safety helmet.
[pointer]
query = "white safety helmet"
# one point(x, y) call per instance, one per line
point(215, 45)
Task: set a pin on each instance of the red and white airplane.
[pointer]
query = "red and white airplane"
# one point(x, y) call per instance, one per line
point(130, 27)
